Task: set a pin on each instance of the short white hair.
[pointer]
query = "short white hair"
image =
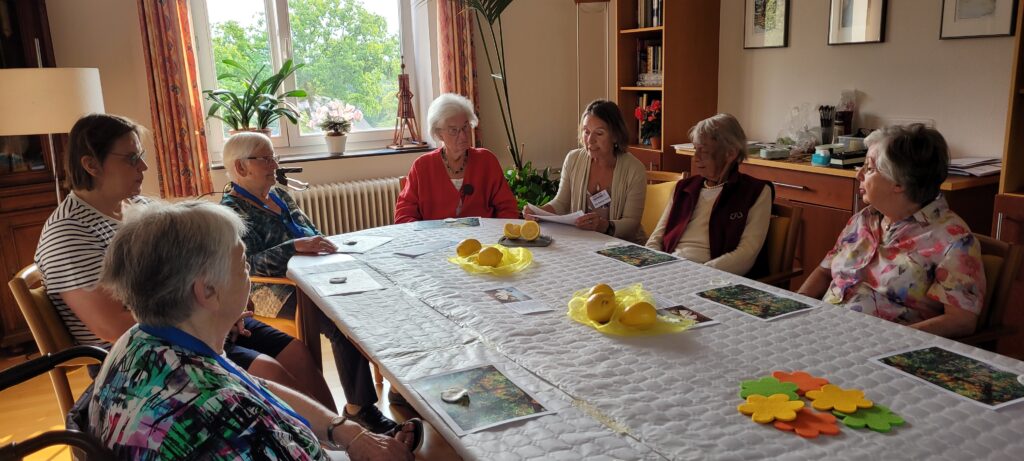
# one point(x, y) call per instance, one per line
point(241, 145)
point(161, 250)
point(446, 106)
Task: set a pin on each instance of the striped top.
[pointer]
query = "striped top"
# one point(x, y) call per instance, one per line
point(70, 255)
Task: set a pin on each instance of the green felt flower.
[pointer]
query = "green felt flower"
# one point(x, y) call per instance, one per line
point(877, 418)
point(768, 386)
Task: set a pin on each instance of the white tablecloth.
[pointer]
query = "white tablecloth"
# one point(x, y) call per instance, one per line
point(671, 396)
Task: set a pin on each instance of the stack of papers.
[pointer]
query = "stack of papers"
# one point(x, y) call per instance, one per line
point(975, 166)
point(543, 215)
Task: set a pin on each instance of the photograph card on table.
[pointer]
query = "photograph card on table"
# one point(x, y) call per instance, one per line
point(447, 223)
point(674, 309)
point(491, 399)
point(637, 256)
point(968, 378)
point(756, 303)
point(515, 299)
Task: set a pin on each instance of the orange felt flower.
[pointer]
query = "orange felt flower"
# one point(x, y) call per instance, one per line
point(803, 380)
point(834, 397)
point(767, 409)
point(810, 424)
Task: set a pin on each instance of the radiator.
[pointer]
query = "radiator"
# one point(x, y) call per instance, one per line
point(350, 206)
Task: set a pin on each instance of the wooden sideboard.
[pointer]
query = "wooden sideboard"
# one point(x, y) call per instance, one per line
point(829, 198)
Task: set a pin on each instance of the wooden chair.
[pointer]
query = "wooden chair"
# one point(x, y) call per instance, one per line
point(304, 327)
point(47, 329)
point(774, 265)
point(655, 177)
point(1002, 263)
point(656, 200)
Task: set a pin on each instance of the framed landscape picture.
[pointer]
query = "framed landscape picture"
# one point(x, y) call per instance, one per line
point(856, 21)
point(766, 24)
point(978, 18)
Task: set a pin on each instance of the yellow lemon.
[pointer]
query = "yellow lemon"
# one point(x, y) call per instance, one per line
point(489, 256)
point(601, 288)
point(467, 248)
point(530, 230)
point(641, 315)
point(600, 307)
point(512, 230)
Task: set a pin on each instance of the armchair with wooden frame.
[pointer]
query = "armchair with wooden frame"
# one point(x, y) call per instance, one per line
point(48, 330)
point(1002, 262)
point(774, 264)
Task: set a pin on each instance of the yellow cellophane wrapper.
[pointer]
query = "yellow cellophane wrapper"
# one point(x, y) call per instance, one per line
point(512, 260)
point(625, 297)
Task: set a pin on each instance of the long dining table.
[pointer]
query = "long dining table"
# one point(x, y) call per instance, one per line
point(670, 396)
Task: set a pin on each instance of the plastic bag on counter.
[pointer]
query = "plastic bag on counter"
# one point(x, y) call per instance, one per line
point(801, 131)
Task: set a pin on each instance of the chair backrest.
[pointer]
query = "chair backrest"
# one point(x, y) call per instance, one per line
point(1002, 263)
point(658, 196)
point(780, 243)
point(46, 325)
point(655, 177)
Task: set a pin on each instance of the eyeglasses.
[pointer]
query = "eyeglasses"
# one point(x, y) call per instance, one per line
point(453, 132)
point(133, 158)
point(266, 160)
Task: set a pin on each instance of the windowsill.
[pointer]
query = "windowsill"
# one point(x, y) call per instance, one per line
point(317, 156)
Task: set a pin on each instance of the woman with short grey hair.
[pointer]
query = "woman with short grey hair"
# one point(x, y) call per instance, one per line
point(906, 257)
point(718, 216)
point(166, 390)
point(455, 180)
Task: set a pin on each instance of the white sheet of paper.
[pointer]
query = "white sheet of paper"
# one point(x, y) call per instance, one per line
point(528, 307)
point(542, 215)
point(363, 243)
point(422, 249)
point(357, 281)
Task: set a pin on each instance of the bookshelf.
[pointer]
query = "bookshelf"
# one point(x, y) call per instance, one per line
point(687, 32)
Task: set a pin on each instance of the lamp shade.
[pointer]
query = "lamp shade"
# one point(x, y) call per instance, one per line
point(48, 99)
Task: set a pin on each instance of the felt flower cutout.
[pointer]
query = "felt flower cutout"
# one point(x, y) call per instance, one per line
point(767, 409)
point(834, 397)
point(877, 418)
point(803, 380)
point(810, 424)
point(767, 386)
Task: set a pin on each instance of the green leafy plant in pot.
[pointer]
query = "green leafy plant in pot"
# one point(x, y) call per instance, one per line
point(529, 184)
point(335, 129)
point(261, 101)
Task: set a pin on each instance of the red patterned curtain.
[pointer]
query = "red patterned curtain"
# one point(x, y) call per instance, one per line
point(183, 165)
point(457, 63)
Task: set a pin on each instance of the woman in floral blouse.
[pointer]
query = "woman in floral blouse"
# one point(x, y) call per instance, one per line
point(905, 258)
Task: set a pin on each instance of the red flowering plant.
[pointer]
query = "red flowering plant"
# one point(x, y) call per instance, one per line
point(650, 120)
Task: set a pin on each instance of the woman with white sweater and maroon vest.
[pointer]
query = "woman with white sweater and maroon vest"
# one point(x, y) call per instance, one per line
point(718, 216)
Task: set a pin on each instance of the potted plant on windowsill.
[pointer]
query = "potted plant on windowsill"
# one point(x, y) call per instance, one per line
point(336, 130)
point(259, 103)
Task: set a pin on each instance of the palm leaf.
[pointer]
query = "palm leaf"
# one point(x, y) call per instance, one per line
point(490, 9)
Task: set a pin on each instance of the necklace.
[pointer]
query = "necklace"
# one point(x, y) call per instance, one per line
point(465, 159)
point(716, 186)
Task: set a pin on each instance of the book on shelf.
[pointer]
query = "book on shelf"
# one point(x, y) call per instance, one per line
point(649, 13)
point(975, 166)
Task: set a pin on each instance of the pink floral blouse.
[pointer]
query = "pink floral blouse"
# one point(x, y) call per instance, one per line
point(908, 272)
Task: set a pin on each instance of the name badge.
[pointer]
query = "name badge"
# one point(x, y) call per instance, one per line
point(600, 199)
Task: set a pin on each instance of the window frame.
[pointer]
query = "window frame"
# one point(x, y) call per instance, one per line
point(290, 141)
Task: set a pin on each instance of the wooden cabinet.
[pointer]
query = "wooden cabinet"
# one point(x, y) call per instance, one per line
point(688, 37)
point(27, 184)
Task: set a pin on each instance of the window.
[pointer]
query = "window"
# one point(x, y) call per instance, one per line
point(351, 49)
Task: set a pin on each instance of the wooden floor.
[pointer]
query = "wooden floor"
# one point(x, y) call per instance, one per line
point(31, 408)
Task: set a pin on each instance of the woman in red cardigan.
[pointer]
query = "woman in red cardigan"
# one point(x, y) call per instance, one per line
point(454, 180)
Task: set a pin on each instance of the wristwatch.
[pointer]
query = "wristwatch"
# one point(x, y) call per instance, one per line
point(337, 421)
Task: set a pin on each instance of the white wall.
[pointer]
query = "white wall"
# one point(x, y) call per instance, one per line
point(960, 84)
point(540, 49)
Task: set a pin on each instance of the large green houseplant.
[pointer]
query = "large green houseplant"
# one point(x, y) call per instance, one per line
point(529, 184)
point(259, 103)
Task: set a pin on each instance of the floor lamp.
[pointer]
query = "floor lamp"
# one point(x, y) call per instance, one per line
point(37, 101)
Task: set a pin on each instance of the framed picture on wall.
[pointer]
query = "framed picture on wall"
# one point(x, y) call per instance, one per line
point(856, 21)
point(766, 24)
point(978, 18)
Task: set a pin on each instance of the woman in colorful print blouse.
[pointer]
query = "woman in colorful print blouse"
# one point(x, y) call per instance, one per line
point(905, 258)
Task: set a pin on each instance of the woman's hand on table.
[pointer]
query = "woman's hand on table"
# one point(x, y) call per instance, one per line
point(315, 245)
point(592, 222)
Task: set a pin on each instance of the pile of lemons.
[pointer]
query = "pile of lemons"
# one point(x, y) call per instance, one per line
point(601, 307)
point(489, 256)
point(528, 230)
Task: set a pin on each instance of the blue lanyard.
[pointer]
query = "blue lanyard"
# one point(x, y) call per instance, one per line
point(294, 229)
point(191, 343)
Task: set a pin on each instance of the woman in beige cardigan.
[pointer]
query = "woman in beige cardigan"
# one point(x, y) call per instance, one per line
point(602, 179)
